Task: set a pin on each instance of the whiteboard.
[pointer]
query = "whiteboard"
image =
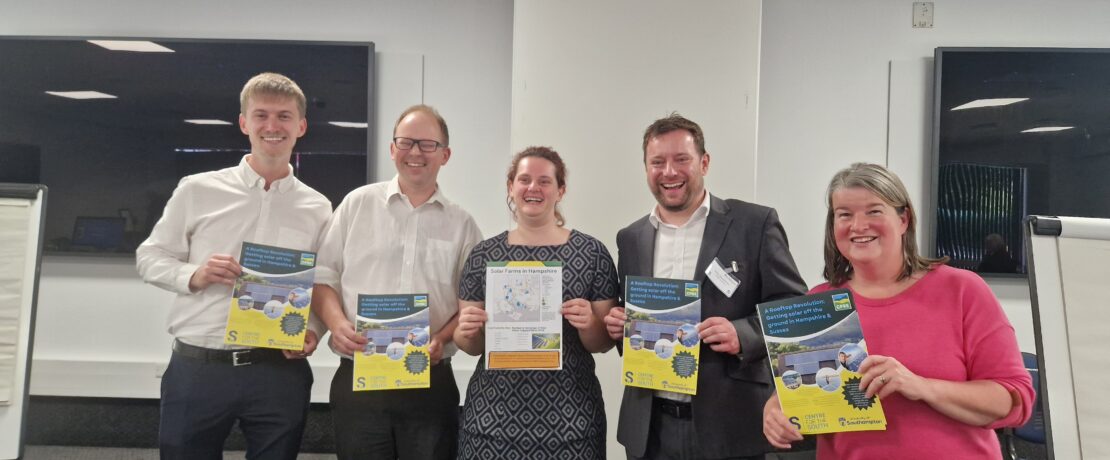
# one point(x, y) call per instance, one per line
point(22, 208)
point(1069, 280)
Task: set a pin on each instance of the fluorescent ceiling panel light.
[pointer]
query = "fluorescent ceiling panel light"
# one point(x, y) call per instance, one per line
point(131, 45)
point(990, 103)
point(208, 122)
point(81, 94)
point(348, 124)
point(1047, 129)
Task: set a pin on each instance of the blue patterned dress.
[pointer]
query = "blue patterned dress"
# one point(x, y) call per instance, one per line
point(539, 414)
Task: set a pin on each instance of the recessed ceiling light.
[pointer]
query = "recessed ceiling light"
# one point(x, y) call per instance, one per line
point(1047, 129)
point(348, 124)
point(81, 94)
point(990, 102)
point(208, 122)
point(140, 46)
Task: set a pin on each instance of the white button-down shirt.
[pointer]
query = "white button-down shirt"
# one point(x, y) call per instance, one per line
point(378, 243)
point(214, 213)
point(676, 255)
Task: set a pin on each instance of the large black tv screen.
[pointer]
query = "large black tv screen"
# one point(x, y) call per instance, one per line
point(166, 110)
point(1018, 131)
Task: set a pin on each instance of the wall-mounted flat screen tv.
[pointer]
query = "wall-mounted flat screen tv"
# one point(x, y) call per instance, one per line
point(112, 125)
point(1017, 131)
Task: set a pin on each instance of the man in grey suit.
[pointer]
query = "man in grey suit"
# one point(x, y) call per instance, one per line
point(688, 232)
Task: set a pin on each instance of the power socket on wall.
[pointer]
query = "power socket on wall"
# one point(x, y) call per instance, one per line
point(922, 15)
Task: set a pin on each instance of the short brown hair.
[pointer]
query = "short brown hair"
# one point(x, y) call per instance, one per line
point(430, 111)
point(888, 187)
point(272, 84)
point(674, 122)
point(548, 154)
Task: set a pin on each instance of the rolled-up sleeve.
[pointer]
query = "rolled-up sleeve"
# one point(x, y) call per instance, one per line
point(163, 259)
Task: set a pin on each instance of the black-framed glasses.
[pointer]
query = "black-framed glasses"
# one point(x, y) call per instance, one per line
point(425, 145)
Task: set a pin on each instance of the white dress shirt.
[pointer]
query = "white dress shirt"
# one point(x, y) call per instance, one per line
point(378, 243)
point(214, 213)
point(676, 255)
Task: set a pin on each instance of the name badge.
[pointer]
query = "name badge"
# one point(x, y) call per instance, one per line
point(723, 277)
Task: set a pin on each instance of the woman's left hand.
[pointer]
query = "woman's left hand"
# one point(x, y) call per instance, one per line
point(884, 375)
point(579, 313)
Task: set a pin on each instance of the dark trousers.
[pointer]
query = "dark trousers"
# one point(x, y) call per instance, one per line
point(674, 438)
point(202, 400)
point(414, 424)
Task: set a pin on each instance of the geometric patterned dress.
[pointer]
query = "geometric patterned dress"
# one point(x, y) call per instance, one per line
point(539, 414)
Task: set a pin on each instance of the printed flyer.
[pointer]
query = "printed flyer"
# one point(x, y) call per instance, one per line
point(396, 356)
point(815, 346)
point(270, 300)
point(661, 345)
point(524, 324)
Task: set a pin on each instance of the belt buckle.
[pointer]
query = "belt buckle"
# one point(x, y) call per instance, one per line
point(235, 360)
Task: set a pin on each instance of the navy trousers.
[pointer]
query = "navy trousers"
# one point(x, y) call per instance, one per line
point(202, 400)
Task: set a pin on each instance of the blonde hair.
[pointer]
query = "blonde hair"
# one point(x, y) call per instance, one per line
point(272, 84)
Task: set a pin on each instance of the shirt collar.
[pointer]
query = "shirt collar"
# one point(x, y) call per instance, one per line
point(699, 214)
point(251, 178)
point(393, 189)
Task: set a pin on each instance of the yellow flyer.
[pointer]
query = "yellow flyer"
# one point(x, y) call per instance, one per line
point(270, 300)
point(661, 345)
point(396, 356)
point(815, 346)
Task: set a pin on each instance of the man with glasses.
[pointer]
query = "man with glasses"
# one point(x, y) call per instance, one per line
point(397, 237)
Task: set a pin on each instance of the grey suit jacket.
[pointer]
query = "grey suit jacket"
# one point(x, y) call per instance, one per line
point(728, 407)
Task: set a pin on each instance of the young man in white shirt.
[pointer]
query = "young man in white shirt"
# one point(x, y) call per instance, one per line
point(192, 251)
point(397, 237)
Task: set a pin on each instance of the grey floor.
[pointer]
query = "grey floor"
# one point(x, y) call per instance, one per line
point(116, 453)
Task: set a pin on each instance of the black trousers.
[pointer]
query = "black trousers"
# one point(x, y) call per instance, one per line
point(202, 400)
point(419, 424)
point(674, 438)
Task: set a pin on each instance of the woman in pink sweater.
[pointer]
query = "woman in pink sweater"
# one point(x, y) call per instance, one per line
point(943, 358)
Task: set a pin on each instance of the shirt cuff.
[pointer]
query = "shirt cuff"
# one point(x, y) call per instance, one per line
point(328, 277)
point(184, 274)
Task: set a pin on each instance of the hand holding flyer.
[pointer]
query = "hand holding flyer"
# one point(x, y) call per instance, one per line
point(398, 334)
point(815, 346)
point(271, 298)
point(662, 349)
point(524, 329)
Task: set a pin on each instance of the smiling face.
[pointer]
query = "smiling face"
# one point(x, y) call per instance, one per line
point(535, 189)
point(273, 124)
point(867, 230)
point(418, 170)
point(675, 171)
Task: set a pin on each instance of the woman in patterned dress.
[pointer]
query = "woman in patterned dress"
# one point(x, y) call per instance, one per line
point(539, 414)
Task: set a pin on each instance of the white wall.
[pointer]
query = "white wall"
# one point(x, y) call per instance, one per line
point(589, 77)
point(465, 50)
point(836, 76)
